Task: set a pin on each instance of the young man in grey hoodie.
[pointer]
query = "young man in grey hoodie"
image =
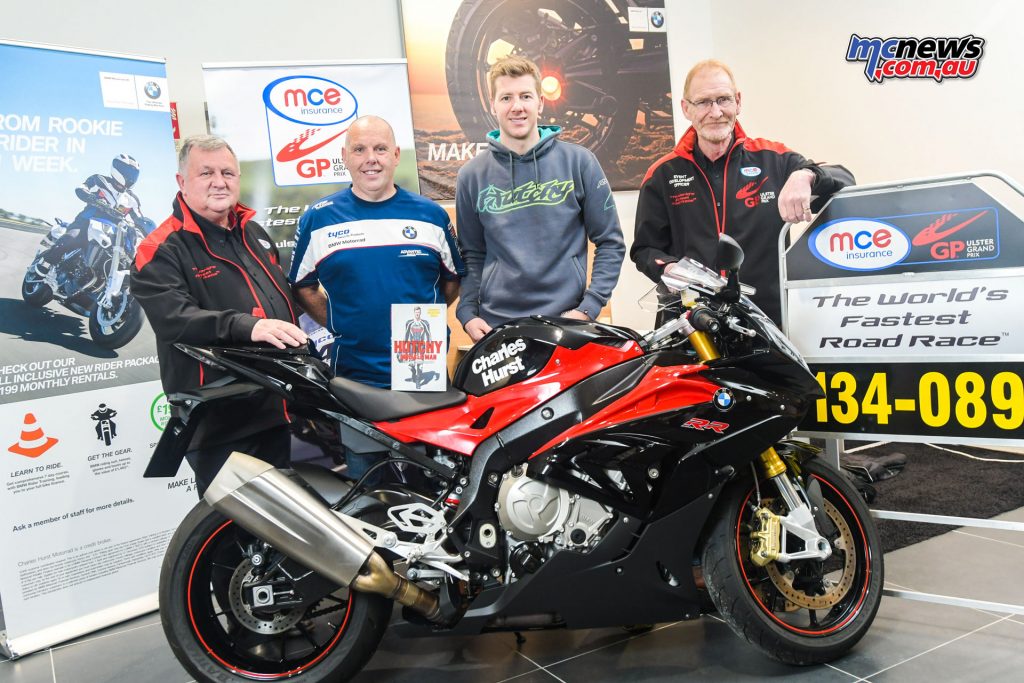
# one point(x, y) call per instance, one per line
point(525, 211)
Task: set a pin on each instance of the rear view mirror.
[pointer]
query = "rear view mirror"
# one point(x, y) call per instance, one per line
point(729, 258)
point(730, 254)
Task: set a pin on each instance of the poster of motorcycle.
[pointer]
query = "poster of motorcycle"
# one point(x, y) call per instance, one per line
point(287, 122)
point(87, 164)
point(86, 158)
point(604, 69)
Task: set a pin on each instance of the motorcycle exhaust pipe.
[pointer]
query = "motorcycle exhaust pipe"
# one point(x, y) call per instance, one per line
point(266, 502)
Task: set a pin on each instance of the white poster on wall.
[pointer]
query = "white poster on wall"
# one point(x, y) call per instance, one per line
point(80, 404)
point(287, 124)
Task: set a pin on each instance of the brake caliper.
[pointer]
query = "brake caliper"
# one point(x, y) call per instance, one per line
point(766, 541)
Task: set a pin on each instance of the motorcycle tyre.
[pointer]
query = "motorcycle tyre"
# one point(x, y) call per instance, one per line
point(363, 630)
point(124, 333)
point(729, 590)
point(476, 19)
point(36, 293)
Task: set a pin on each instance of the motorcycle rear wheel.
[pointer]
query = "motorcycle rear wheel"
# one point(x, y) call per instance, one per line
point(799, 613)
point(329, 641)
point(122, 331)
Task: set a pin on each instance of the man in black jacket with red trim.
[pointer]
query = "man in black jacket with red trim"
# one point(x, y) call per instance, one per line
point(209, 275)
point(717, 180)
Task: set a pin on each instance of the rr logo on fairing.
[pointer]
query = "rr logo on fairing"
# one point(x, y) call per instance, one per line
point(935, 58)
point(701, 424)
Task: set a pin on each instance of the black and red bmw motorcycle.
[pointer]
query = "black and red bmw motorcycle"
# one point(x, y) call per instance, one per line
point(579, 475)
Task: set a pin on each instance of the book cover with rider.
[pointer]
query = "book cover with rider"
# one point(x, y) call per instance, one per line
point(604, 66)
point(419, 347)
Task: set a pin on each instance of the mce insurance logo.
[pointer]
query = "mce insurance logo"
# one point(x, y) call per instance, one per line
point(935, 58)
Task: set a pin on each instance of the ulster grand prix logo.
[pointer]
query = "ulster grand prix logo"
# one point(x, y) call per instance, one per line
point(866, 244)
point(305, 114)
point(935, 58)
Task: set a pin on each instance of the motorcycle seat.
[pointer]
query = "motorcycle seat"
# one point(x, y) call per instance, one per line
point(371, 403)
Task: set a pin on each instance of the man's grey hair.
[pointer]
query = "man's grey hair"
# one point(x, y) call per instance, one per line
point(207, 143)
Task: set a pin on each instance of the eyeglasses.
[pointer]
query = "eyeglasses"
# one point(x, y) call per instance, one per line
point(723, 102)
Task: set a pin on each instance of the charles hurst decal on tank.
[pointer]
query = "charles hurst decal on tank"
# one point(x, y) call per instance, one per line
point(504, 362)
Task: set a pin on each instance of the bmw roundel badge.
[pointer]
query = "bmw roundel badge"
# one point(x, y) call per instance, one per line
point(409, 232)
point(723, 399)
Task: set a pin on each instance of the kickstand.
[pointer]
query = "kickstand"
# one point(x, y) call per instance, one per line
point(520, 638)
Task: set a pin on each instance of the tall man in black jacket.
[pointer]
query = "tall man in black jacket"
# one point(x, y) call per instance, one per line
point(717, 180)
point(211, 275)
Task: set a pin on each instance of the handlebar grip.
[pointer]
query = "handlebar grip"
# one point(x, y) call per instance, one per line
point(703, 319)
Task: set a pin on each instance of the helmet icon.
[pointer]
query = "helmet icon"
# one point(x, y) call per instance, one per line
point(124, 170)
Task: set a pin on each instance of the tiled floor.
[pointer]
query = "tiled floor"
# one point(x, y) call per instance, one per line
point(909, 641)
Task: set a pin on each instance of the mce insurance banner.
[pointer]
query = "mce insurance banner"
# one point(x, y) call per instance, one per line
point(905, 301)
point(287, 123)
point(83, 533)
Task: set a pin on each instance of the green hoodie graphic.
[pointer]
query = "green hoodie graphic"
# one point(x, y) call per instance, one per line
point(523, 225)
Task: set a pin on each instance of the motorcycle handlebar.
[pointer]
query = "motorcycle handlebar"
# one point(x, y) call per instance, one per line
point(703, 319)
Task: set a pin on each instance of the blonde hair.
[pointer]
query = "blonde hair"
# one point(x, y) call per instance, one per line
point(707, 65)
point(514, 66)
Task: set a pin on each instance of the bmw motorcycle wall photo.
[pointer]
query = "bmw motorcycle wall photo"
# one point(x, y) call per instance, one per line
point(92, 279)
point(577, 475)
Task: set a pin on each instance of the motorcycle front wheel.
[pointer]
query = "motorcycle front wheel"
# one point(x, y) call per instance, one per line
point(215, 633)
point(801, 612)
point(34, 290)
point(116, 332)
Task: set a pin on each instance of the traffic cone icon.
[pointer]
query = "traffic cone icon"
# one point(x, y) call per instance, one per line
point(33, 442)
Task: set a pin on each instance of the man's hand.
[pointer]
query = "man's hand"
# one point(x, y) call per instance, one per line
point(477, 328)
point(278, 333)
point(795, 197)
point(576, 315)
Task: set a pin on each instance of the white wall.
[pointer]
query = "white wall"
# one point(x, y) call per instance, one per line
point(188, 33)
point(789, 59)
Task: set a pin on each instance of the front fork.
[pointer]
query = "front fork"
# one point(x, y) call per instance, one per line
point(770, 537)
point(115, 276)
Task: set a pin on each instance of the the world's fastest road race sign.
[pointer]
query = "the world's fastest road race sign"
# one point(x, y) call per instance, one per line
point(905, 301)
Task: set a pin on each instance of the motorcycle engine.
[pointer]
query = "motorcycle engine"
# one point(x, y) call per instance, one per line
point(74, 276)
point(531, 510)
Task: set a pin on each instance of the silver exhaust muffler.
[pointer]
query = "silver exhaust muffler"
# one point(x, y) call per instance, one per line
point(267, 503)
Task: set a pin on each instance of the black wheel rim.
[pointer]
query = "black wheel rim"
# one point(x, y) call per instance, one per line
point(237, 647)
point(845, 576)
